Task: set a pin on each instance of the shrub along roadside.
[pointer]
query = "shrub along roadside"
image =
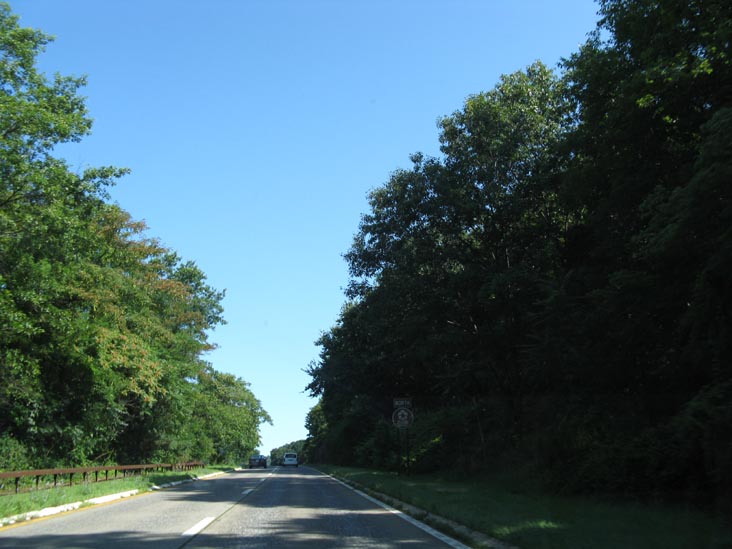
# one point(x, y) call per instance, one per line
point(522, 517)
point(15, 504)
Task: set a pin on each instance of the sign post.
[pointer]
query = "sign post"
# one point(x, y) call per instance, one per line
point(402, 418)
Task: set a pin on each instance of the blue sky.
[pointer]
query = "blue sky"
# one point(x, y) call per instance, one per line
point(255, 130)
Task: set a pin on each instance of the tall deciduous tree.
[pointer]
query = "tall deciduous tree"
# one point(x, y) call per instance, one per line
point(449, 264)
point(555, 288)
point(102, 329)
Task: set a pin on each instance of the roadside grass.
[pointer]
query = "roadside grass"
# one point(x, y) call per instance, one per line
point(24, 502)
point(518, 516)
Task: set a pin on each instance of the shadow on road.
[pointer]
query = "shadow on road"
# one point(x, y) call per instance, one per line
point(271, 517)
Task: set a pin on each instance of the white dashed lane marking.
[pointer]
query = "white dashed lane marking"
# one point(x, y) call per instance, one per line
point(200, 525)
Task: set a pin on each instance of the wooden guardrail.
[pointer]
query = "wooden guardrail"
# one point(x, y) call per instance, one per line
point(85, 471)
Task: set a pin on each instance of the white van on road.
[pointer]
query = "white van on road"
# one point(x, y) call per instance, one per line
point(290, 459)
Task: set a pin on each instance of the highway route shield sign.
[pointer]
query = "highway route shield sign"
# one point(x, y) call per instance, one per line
point(402, 418)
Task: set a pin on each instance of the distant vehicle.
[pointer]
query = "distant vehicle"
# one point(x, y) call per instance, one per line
point(258, 460)
point(290, 459)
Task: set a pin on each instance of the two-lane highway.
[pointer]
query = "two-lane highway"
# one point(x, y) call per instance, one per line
point(295, 507)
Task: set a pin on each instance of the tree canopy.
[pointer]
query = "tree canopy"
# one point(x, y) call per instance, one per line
point(102, 329)
point(554, 289)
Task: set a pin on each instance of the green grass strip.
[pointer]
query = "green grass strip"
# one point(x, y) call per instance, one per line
point(523, 518)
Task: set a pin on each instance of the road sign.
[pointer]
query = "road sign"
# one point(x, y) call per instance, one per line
point(402, 402)
point(402, 418)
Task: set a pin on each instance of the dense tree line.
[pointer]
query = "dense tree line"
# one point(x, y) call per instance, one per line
point(554, 291)
point(102, 329)
point(278, 454)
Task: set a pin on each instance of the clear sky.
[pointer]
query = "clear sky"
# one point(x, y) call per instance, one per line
point(256, 128)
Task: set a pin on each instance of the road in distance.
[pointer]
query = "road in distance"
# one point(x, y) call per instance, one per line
point(293, 507)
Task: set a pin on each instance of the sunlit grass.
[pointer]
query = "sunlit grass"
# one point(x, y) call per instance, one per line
point(506, 531)
point(24, 502)
point(506, 510)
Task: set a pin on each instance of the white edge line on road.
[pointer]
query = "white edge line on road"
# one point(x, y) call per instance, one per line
point(112, 497)
point(421, 525)
point(48, 511)
point(200, 525)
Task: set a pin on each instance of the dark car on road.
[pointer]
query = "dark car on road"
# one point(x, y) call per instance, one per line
point(257, 461)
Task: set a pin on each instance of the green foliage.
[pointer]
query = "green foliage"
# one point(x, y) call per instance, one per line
point(555, 289)
point(231, 416)
point(13, 455)
point(102, 329)
point(317, 427)
point(276, 455)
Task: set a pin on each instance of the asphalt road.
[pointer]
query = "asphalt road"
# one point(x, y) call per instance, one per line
point(293, 507)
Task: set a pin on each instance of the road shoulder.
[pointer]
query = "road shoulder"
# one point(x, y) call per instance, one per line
point(50, 511)
point(471, 537)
